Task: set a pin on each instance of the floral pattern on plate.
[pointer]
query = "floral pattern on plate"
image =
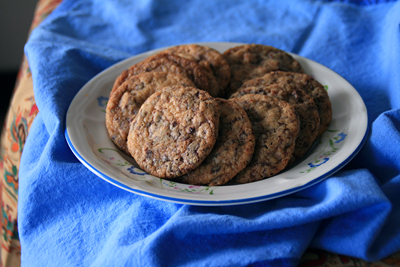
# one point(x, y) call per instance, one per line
point(329, 146)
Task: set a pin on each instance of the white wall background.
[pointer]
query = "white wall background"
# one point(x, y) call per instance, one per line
point(15, 20)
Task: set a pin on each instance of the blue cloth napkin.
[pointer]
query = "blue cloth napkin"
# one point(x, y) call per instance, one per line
point(70, 217)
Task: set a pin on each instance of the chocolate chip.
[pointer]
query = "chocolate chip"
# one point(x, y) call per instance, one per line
point(149, 154)
point(190, 130)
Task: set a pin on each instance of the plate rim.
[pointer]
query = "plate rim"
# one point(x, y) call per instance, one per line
point(201, 202)
point(241, 201)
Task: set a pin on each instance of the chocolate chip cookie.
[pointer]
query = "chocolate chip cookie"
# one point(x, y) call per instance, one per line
point(232, 151)
point(254, 60)
point(303, 104)
point(174, 131)
point(168, 62)
point(124, 103)
point(303, 82)
point(210, 60)
point(275, 127)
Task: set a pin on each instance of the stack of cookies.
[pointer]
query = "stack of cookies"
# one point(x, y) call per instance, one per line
point(197, 116)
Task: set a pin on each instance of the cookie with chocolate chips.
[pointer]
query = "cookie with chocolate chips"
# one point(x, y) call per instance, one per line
point(211, 61)
point(174, 131)
point(303, 82)
point(124, 102)
point(275, 127)
point(168, 62)
point(303, 104)
point(232, 151)
point(254, 60)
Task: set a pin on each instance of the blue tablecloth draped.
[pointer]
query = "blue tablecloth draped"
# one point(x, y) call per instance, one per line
point(70, 217)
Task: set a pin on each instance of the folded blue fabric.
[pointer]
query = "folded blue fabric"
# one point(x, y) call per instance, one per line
point(70, 217)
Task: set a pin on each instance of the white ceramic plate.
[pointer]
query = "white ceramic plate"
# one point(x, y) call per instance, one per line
point(87, 137)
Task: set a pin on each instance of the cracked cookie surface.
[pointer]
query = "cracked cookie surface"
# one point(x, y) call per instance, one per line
point(275, 127)
point(124, 102)
point(174, 131)
point(232, 151)
point(255, 60)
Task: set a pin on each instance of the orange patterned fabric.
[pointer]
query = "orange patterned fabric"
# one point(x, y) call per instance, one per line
point(21, 114)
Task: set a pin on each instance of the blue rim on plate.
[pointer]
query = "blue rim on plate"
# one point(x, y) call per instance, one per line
point(88, 139)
